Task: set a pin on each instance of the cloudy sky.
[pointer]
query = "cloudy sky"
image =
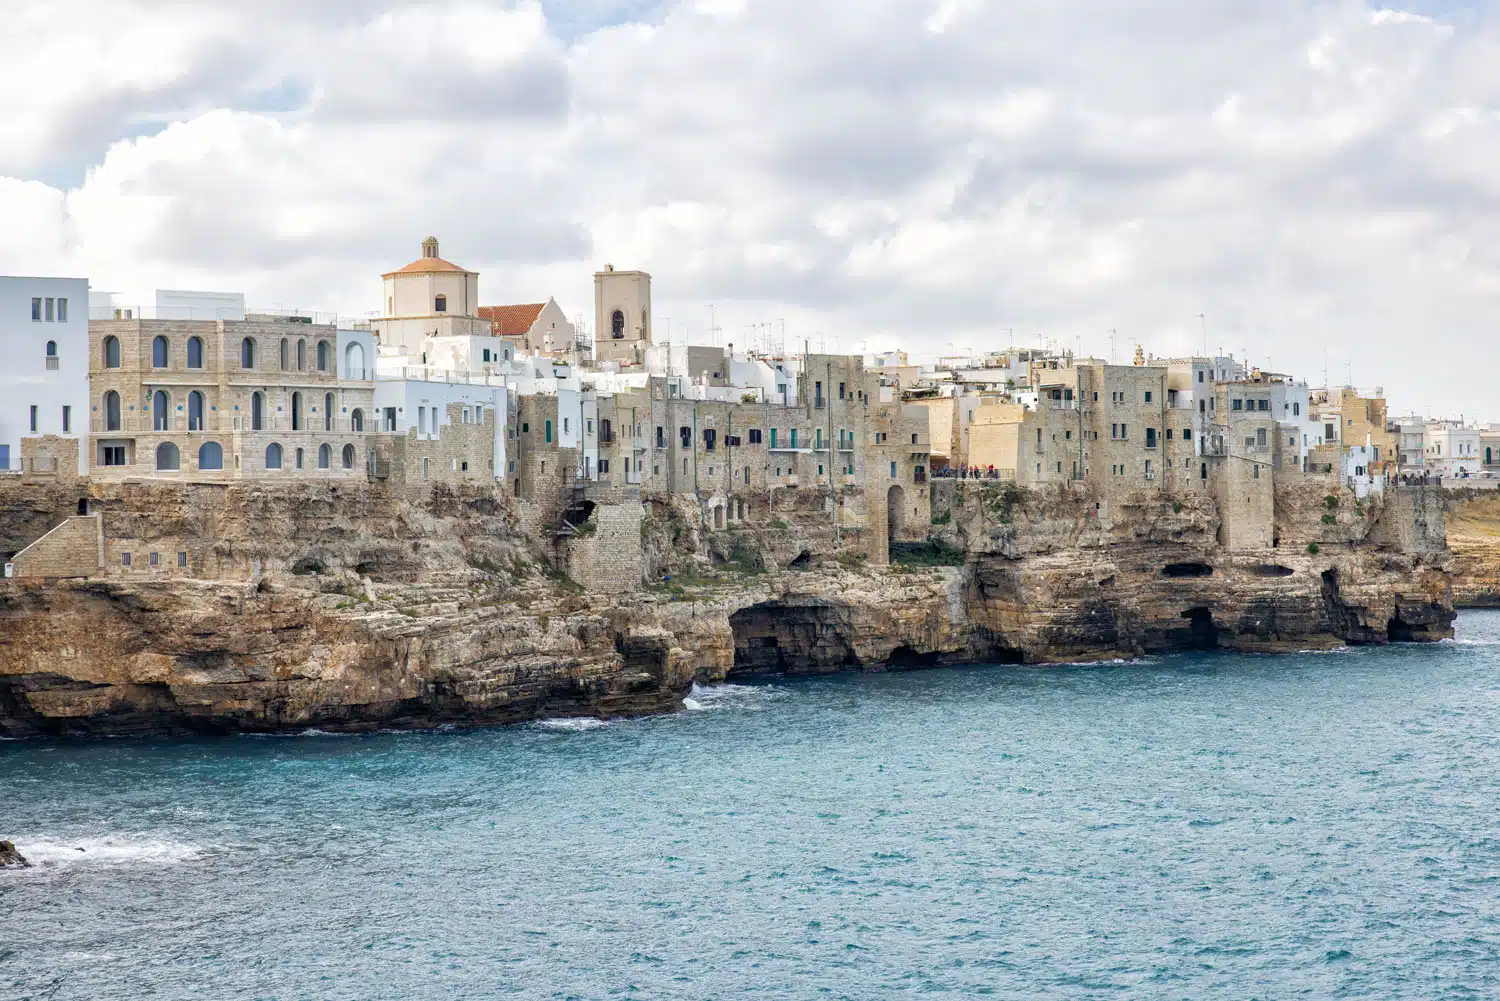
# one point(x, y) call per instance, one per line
point(1319, 180)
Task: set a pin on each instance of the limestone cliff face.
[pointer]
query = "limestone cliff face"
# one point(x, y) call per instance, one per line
point(346, 609)
point(1474, 538)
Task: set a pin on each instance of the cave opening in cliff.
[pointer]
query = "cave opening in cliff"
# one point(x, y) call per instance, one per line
point(1187, 570)
point(777, 637)
point(1202, 634)
point(905, 658)
point(1271, 570)
point(803, 561)
point(1399, 631)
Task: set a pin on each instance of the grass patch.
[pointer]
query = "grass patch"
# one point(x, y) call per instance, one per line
point(934, 553)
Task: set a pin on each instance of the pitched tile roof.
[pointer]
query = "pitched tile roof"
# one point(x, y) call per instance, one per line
point(511, 321)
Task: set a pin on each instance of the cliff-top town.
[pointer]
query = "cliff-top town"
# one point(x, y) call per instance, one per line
point(441, 389)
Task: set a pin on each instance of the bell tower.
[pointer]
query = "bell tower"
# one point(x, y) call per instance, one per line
point(622, 315)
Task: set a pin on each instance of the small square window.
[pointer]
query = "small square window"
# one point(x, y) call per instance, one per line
point(124, 559)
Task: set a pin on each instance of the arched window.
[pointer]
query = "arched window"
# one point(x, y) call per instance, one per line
point(111, 351)
point(111, 411)
point(210, 456)
point(325, 457)
point(195, 411)
point(301, 355)
point(167, 458)
point(354, 361)
point(348, 456)
point(322, 356)
point(159, 352)
point(195, 352)
point(273, 456)
point(257, 412)
point(296, 411)
point(327, 411)
point(161, 410)
point(247, 353)
point(440, 304)
point(617, 324)
point(284, 356)
point(52, 354)
point(357, 420)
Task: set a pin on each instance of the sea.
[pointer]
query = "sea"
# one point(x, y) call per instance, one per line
point(1204, 826)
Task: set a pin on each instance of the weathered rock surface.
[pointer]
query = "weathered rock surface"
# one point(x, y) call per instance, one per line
point(1474, 539)
point(11, 858)
point(376, 611)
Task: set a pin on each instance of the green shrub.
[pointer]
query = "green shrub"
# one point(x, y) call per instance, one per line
point(1312, 549)
point(1330, 502)
point(1329, 519)
point(1177, 507)
point(934, 553)
point(942, 519)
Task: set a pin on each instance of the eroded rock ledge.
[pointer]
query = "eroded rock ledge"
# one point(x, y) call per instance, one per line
point(399, 613)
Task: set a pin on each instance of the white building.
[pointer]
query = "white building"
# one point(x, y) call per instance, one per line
point(1452, 449)
point(44, 384)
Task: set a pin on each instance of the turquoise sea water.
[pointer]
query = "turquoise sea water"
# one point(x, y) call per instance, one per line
point(1206, 826)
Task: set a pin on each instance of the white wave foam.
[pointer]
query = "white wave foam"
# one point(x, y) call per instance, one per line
point(575, 724)
point(706, 698)
point(114, 851)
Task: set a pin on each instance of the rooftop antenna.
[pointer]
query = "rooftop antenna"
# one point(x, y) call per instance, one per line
point(1203, 320)
point(1111, 345)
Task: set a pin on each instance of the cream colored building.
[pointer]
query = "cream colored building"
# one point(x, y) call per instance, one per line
point(622, 316)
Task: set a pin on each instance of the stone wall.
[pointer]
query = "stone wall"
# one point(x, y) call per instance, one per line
point(607, 558)
point(73, 549)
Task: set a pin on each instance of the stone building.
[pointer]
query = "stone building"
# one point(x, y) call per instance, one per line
point(262, 397)
point(534, 328)
point(622, 316)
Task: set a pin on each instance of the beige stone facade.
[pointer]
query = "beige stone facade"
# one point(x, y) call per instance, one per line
point(220, 400)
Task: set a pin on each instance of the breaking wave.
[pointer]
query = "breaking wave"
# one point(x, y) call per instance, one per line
point(110, 851)
point(705, 698)
point(575, 724)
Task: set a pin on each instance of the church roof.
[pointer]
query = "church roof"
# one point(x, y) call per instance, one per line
point(424, 265)
point(511, 321)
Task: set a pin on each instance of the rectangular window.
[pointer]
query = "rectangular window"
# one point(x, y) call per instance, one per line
point(124, 559)
point(1151, 437)
point(1266, 405)
point(755, 436)
point(547, 432)
point(588, 427)
point(793, 435)
point(1124, 434)
point(1114, 430)
point(841, 390)
point(1169, 434)
point(182, 559)
point(893, 470)
point(565, 425)
point(1236, 404)
point(62, 311)
point(1148, 396)
point(50, 315)
point(421, 420)
point(33, 418)
point(604, 466)
point(67, 420)
point(773, 437)
point(36, 310)
point(155, 559)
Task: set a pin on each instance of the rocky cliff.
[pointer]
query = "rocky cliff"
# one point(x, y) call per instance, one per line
point(1474, 538)
point(344, 608)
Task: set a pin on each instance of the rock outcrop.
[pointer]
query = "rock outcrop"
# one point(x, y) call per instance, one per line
point(373, 610)
point(11, 858)
point(1474, 539)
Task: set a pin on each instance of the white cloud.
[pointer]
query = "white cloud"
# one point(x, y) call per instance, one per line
point(1312, 177)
